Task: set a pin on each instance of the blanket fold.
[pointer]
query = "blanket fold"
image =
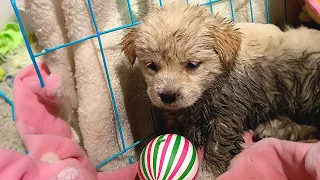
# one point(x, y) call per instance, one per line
point(48, 23)
point(96, 117)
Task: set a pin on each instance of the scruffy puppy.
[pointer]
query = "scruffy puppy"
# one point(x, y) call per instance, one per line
point(218, 79)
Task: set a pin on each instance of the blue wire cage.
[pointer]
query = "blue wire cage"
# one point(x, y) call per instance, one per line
point(98, 35)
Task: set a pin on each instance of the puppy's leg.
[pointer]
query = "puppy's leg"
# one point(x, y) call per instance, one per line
point(284, 128)
point(224, 143)
point(307, 132)
point(280, 128)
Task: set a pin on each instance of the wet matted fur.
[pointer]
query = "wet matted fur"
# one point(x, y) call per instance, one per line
point(224, 78)
point(285, 129)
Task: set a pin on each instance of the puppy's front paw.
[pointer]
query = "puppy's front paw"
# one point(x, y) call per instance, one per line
point(285, 129)
point(307, 132)
point(280, 128)
point(310, 141)
point(261, 132)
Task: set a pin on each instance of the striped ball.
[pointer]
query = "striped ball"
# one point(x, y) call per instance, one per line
point(168, 156)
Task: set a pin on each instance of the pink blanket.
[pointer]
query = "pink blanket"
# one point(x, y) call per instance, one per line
point(54, 154)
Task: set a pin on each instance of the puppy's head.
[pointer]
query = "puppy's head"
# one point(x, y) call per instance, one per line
point(181, 50)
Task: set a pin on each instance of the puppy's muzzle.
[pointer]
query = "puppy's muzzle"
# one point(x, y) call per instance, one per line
point(168, 97)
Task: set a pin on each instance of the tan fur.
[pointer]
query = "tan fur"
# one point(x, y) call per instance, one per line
point(227, 44)
point(128, 43)
point(187, 36)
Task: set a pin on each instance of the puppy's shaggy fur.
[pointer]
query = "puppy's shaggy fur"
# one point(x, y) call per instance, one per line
point(219, 79)
point(285, 129)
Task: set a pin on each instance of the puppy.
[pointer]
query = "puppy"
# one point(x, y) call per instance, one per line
point(218, 79)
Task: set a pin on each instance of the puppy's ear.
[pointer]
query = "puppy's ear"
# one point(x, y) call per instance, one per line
point(227, 42)
point(127, 44)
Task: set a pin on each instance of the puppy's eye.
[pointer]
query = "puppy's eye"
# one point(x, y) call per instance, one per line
point(152, 66)
point(192, 65)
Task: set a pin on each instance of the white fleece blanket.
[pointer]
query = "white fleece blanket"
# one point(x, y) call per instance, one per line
point(241, 8)
point(48, 23)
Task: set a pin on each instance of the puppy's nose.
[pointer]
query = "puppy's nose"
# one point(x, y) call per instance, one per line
point(168, 97)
